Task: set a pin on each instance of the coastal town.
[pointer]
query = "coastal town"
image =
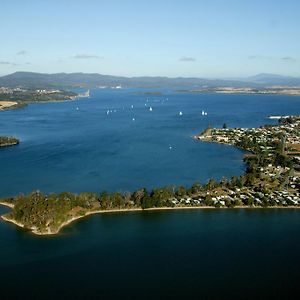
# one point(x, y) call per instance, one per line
point(273, 162)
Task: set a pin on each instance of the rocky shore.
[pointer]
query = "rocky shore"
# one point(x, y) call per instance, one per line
point(8, 141)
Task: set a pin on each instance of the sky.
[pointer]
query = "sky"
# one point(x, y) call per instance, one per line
point(188, 38)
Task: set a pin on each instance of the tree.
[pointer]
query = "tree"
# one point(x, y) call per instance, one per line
point(105, 200)
point(181, 191)
point(137, 197)
point(127, 199)
point(146, 202)
point(212, 184)
point(160, 196)
point(196, 188)
point(208, 200)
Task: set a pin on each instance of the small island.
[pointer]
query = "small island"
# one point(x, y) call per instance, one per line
point(271, 179)
point(6, 141)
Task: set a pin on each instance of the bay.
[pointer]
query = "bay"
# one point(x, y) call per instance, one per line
point(179, 254)
point(76, 146)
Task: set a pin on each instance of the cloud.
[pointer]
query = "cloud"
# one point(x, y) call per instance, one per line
point(86, 56)
point(186, 58)
point(288, 58)
point(7, 63)
point(264, 57)
point(259, 57)
point(22, 52)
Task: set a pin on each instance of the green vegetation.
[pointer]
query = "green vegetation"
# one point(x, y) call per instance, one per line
point(47, 213)
point(27, 96)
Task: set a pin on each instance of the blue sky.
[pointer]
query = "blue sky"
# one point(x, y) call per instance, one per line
point(201, 38)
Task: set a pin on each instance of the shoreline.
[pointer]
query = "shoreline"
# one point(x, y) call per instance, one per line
point(125, 210)
point(5, 105)
point(21, 104)
point(267, 93)
point(10, 205)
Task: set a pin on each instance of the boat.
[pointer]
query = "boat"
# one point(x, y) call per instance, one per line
point(133, 119)
point(150, 109)
point(180, 113)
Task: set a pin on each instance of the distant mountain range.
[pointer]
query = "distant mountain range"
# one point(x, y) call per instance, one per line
point(273, 79)
point(89, 80)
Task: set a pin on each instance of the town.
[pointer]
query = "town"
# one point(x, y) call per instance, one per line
point(273, 163)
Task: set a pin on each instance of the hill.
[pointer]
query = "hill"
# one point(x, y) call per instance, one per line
point(274, 79)
point(87, 80)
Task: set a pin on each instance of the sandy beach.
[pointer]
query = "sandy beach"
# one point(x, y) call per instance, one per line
point(7, 104)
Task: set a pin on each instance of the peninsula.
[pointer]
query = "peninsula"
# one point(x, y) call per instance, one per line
point(272, 90)
point(11, 98)
point(271, 179)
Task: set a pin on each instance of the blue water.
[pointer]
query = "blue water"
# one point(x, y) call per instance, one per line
point(65, 149)
point(195, 254)
point(191, 254)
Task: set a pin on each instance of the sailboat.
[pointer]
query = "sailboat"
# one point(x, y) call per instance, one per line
point(150, 109)
point(203, 113)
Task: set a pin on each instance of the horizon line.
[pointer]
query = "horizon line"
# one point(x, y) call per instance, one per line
point(234, 78)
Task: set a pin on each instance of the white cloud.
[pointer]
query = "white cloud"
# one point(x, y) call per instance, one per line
point(22, 52)
point(187, 58)
point(86, 56)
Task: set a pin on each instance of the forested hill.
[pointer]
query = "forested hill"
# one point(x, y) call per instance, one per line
point(71, 80)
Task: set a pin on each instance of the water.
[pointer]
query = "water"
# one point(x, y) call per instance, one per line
point(195, 254)
point(68, 149)
point(190, 254)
